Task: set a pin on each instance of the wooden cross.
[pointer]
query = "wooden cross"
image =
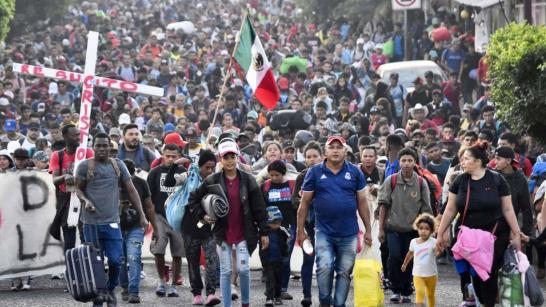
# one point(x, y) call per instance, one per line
point(89, 80)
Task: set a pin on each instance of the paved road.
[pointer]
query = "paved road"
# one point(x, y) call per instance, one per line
point(46, 292)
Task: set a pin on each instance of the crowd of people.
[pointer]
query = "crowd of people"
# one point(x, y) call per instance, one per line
point(412, 159)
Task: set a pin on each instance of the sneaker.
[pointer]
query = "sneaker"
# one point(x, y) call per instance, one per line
point(234, 293)
point(112, 300)
point(97, 303)
point(26, 285)
point(172, 292)
point(160, 290)
point(124, 294)
point(14, 286)
point(467, 304)
point(296, 276)
point(306, 302)
point(278, 301)
point(395, 298)
point(212, 300)
point(197, 300)
point(134, 299)
point(57, 276)
point(269, 303)
point(286, 296)
point(406, 299)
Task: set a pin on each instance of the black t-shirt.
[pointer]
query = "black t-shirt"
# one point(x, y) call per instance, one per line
point(372, 178)
point(484, 206)
point(141, 187)
point(280, 195)
point(158, 190)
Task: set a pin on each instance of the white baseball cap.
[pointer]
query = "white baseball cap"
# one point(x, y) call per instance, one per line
point(53, 88)
point(228, 147)
point(124, 119)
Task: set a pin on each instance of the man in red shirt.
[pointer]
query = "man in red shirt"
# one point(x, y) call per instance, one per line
point(61, 167)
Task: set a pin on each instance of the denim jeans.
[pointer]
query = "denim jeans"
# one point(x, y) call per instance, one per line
point(286, 260)
point(399, 243)
point(243, 269)
point(334, 254)
point(308, 262)
point(107, 238)
point(131, 266)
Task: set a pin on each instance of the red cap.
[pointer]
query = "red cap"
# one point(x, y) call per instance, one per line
point(175, 138)
point(334, 138)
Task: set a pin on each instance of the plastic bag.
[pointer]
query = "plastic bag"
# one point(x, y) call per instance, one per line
point(388, 48)
point(511, 287)
point(367, 286)
point(175, 205)
point(532, 288)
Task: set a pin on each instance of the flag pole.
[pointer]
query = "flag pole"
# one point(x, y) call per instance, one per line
point(226, 77)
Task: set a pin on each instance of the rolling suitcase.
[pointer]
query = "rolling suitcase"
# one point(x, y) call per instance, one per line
point(85, 276)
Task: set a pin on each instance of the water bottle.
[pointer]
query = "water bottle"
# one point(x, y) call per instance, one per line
point(307, 247)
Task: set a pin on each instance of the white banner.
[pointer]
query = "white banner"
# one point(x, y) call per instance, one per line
point(406, 4)
point(26, 211)
point(114, 84)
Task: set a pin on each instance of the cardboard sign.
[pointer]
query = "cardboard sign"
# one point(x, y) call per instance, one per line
point(26, 211)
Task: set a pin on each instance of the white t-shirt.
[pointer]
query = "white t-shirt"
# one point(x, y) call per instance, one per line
point(424, 259)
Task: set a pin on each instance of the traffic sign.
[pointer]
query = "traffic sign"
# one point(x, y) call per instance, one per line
point(406, 4)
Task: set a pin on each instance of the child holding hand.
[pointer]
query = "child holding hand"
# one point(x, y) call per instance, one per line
point(423, 252)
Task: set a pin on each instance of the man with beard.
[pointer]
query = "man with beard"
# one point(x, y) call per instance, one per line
point(133, 150)
point(61, 167)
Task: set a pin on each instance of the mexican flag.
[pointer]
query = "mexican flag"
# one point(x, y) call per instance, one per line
point(252, 61)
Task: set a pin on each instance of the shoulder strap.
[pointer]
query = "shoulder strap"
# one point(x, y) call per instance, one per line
point(292, 184)
point(393, 181)
point(467, 201)
point(60, 156)
point(420, 182)
point(21, 141)
point(90, 169)
point(267, 186)
point(115, 166)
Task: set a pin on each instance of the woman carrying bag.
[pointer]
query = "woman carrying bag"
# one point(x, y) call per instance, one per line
point(483, 198)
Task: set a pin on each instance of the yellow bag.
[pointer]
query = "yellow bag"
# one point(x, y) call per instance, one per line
point(367, 279)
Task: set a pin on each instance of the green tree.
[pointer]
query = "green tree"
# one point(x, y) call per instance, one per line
point(517, 68)
point(7, 8)
point(29, 12)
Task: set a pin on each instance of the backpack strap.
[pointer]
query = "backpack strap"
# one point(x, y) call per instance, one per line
point(91, 164)
point(393, 181)
point(292, 184)
point(115, 166)
point(267, 186)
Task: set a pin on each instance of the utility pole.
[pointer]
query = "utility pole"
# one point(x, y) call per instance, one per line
point(528, 11)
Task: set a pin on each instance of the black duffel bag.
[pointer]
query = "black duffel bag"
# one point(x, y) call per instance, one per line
point(291, 119)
